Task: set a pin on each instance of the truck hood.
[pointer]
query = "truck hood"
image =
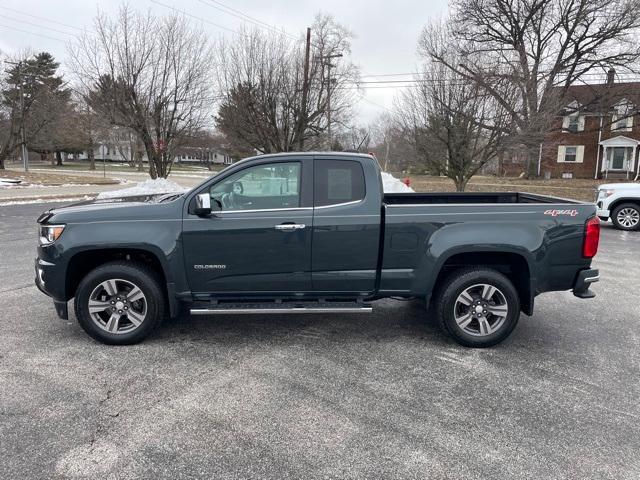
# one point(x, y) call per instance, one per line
point(102, 209)
point(619, 186)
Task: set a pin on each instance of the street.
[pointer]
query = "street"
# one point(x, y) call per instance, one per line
point(379, 396)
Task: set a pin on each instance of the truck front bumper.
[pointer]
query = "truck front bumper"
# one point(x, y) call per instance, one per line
point(47, 281)
point(602, 212)
point(583, 282)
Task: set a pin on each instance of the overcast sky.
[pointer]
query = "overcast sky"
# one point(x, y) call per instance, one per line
point(385, 32)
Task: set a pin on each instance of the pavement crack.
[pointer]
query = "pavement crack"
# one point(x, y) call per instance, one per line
point(104, 418)
point(21, 287)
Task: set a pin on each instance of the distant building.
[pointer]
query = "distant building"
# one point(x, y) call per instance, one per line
point(122, 152)
point(597, 133)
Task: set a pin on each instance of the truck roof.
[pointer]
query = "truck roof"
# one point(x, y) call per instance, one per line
point(306, 154)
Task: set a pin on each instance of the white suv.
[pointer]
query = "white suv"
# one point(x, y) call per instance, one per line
point(620, 202)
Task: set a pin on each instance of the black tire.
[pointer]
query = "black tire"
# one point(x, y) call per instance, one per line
point(629, 207)
point(446, 303)
point(137, 274)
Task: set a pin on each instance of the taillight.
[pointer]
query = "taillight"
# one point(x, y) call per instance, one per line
point(591, 237)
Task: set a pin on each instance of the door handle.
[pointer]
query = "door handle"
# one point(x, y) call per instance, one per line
point(290, 227)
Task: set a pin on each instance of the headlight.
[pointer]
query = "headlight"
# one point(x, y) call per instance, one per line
point(50, 233)
point(605, 193)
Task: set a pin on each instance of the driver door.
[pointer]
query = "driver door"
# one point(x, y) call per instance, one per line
point(260, 240)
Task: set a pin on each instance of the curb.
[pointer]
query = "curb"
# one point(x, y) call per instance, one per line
point(45, 199)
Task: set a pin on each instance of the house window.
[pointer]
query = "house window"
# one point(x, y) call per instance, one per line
point(570, 154)
point(622, 119)
point(574, 123)
point(619, 123)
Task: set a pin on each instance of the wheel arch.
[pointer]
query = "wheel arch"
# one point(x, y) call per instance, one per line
point(619, 201)
point(514, 265)
point(84, 261)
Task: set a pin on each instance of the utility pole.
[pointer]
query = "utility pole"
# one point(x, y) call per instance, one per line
point(305, 93)
point(329, 81)
point(23, 136)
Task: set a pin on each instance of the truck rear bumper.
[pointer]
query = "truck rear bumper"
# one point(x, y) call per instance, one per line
point(583, 282)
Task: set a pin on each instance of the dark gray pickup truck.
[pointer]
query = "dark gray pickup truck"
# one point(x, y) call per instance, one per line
point(312, 233)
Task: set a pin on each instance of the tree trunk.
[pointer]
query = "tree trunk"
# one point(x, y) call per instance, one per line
point(461, 184)
point(532, 161)
point(2, 162)
point(139, 155)
point(153, 173)
point(92, 158)
point(59, 158)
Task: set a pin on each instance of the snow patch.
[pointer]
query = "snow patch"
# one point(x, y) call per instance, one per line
point(148, 187)
point(391, 184)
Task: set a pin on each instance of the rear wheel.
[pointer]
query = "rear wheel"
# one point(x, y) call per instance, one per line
point(119, 303)
point(626, 216)
point(478, 307)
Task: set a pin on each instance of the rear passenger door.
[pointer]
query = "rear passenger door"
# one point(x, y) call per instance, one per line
point(346, 226)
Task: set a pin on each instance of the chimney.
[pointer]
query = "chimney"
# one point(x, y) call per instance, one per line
point(611, 74)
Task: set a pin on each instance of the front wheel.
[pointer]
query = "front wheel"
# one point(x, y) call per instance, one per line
point(626, 216)
point(478, 307)
point(119, 303)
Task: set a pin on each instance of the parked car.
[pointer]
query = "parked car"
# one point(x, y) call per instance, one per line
point(620, 202)
point(312, 233)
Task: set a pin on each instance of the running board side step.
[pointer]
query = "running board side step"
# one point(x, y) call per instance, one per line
point(240, 309)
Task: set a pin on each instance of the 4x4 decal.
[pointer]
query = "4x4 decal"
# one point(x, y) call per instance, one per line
point(555, 213)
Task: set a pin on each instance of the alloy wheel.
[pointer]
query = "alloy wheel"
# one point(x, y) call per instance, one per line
point(628, 217)
point(117, 306)
point(481, 310)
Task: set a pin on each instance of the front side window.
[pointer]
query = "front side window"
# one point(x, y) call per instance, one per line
point(261, 187)
point(337, 181)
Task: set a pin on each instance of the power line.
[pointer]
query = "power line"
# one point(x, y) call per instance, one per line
point(40, 18)
point(388, 74)
point(362, 97)
point(33, 33)
point(243, 16)
point(35, 24)
point(193, 16)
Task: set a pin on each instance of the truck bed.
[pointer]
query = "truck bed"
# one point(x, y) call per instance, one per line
point(469, 197)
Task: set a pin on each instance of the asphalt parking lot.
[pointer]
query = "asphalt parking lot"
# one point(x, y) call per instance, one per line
point(380, 396)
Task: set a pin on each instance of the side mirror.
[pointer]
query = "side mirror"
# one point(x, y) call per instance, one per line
point(203, 205)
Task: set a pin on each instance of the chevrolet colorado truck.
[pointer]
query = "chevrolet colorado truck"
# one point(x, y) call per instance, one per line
point(312, 233)
point(620, 202)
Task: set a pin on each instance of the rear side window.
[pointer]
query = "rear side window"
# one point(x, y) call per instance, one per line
point(337, 181)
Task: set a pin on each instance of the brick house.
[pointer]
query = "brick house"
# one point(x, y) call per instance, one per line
point(597, 134)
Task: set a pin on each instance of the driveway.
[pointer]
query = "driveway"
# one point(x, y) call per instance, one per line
point(379, 396)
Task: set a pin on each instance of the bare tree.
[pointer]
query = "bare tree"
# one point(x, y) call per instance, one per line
point(149, 74)
point(537, 46)
point(455, 125)
point(261, 74)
